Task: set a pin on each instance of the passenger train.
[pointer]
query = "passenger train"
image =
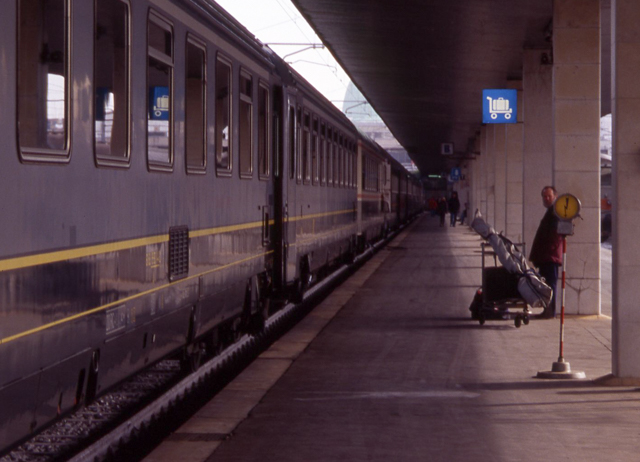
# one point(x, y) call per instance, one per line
point(166, 178)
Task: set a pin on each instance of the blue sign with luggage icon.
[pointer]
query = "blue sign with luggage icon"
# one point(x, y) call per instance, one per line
point(499, 106)
point(159, 103)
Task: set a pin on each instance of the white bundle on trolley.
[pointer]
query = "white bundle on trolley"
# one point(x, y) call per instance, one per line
point(531, 286)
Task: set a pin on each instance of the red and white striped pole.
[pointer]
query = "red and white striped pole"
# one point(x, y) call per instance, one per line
point(561, 369)
point(562, 288)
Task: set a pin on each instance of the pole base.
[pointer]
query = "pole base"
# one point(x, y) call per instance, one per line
point(561, 370)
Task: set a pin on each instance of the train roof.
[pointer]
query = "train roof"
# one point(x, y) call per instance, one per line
point(216, 16)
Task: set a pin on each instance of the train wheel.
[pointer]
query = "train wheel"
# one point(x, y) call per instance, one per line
point(257, 321)
point(301, 285)
point(192, 358)
point(214, 342)
point(92, 381)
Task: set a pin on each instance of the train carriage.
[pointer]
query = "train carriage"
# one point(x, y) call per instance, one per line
point(374, 191)
point(137, 183)
point(319, 191)
point(165, 178)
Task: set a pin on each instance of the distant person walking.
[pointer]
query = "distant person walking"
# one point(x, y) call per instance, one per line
point(442, 209)
point(433, 206)
point(546, 251)
point(454, 208)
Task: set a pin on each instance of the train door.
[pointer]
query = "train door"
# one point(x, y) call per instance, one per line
point(290, 205)
point(285, 185)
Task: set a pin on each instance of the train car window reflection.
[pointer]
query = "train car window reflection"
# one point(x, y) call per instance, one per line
point(223, 116)
point(355, 166)
point(306, 173)
point(345, 155)
point(352, 158)
point(329, 157)
point(336, 161)
point(299, 166)
point(263, 132)
point(321, 154)
point(43, 79)
point(292, 143)
point(340, 162)
point(159, 86)
point(245, 143)
point(347, 163)
point(111, 82)
point(195, 108)
point(314, 151)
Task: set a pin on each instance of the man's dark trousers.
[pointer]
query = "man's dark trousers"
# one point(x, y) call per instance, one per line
point(549, 271)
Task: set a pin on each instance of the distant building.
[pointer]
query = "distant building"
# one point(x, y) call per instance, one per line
point(363, 116)
point(605, 141)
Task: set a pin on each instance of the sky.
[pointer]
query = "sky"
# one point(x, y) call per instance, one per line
point(278, 21)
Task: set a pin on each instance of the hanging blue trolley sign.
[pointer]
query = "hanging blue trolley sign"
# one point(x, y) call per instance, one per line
point(499, 106)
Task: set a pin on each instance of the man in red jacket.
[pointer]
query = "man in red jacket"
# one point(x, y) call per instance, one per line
point(546, 251)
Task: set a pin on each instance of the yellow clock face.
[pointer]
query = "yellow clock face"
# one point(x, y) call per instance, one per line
point(567, 207)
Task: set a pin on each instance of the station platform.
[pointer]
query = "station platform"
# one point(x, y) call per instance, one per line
point(390, 367)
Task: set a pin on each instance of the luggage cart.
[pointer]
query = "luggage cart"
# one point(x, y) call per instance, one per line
point(499, 106)
point(498, 298)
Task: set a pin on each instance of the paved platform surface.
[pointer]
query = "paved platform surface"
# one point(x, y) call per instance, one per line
point(390, 367)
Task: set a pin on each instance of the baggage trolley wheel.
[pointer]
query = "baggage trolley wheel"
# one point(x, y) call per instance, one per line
point(518, 321)
point(525, 320)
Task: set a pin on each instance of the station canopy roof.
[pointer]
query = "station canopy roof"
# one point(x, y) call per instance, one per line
point(423, 64)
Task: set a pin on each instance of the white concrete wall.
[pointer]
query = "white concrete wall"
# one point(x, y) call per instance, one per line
point(576, 162)
point(537, 158)
point(625, 23)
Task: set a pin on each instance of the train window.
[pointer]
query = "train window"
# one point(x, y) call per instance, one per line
point(364, 172)
point(336, 160)
point(111, 83)
point(342, 155)
point(299, 141)
point(354, 162)
point(321, 154)
point(43, 80)
point(354, 166)
point(195, 107)
point(329, 152)
point(223, 116)
point(341, 160)
point(245, 142)
point(351, 166)
point(159, 89)
point(306, 172)
point(292, 143)
point(263, 131)
point(349, 172)
point(347, 164)
point(314, 151)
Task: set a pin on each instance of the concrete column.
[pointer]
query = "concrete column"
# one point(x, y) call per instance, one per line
point(500, 177)
point(490, 173)
point(473, 188)
point(537, 138)
point(514, 158)
point(483, 172)
point(474, 177)
point(626, 176)
point(576, 116)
